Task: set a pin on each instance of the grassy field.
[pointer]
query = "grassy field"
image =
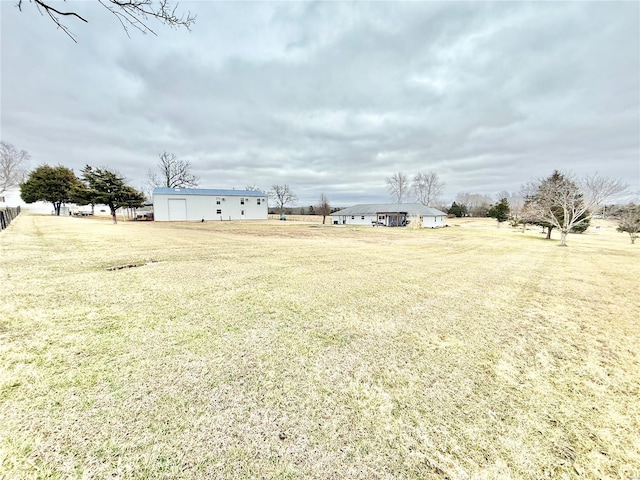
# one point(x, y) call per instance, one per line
point(291, 350)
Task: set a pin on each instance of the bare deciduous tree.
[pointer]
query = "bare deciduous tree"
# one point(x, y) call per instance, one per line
point(566, 202)
point(13, 166)
point(130, 13)
point(283, 196)
point(174, 173)
point(398, 186)
point(252, 188)
point(427, 187)
point(323, 208)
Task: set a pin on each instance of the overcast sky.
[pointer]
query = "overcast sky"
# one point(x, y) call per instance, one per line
point(333, 97)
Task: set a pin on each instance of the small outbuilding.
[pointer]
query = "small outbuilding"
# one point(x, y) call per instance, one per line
point(390, 215)
point(198, 204)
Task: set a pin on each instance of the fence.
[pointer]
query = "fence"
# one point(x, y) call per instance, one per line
point(7, 215)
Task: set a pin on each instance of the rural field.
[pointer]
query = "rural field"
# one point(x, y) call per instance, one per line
point(292, 350)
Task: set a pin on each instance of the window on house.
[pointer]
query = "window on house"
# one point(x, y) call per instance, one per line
point(258, 201)
point(362, 217)
point(242, 201)
point(218, 201)
point(352, 218)
point(241, 212)
point(218, 211)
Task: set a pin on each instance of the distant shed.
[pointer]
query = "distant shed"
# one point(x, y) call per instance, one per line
point(197, 204)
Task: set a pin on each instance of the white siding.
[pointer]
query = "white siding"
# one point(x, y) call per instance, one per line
point(433, 222)
point(177, 209)
point(355, 219)
point(199, 207)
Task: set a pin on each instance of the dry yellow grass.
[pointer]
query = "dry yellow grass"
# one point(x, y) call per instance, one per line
point(291, 350)
point(301, 218)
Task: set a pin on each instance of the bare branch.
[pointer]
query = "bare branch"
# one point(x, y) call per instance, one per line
point(13, 166)
point(283, 196)
point(130, 13)
point(323, 207)
point(398, 186)
point(599, 189)
point(174, 173)
point(50, 9)
point(427, 187)
point(565, 202)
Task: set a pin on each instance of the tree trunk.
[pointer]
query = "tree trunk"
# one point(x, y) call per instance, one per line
point(56, 207)
point(113, 215)
point(549, 233)
point(633, 238)
point(524, 226)
point(563, 237)
point(323, 218)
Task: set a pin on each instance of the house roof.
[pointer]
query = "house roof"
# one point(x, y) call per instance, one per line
point(375, 208)
point(208, 191)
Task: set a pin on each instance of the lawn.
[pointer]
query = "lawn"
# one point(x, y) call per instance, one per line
point(292, 350)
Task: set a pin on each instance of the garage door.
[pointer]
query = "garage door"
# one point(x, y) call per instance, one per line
point(177, 209)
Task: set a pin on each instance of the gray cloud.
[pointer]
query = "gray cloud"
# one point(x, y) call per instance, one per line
point(334, 97)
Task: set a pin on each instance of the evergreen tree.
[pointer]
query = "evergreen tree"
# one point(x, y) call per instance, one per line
point(107, 187)
point(560, 201)
point(500, 211)
point(629, 221)
point(457, 210)
point(50, 184)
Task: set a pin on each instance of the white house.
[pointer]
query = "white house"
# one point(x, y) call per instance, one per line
point(11, 198)
point(197, 204)
point(389, 215)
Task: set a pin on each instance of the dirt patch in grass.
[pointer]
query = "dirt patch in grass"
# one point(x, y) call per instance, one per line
point(132, 265)
point(286, 350)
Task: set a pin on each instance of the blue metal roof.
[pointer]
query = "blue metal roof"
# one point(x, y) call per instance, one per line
point(208, 191)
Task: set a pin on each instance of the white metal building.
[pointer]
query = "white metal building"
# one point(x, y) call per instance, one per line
point(197, 204)
point(389, 215)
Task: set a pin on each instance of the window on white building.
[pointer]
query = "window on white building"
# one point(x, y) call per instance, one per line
point(217, 200)
point(218, 211)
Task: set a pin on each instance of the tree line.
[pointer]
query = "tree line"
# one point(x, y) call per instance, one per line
point(560, 201)
point(59, 185)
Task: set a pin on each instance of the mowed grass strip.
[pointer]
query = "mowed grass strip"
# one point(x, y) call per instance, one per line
point(293, 350)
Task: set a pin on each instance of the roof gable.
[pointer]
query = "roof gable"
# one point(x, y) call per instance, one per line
point(375, 208)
